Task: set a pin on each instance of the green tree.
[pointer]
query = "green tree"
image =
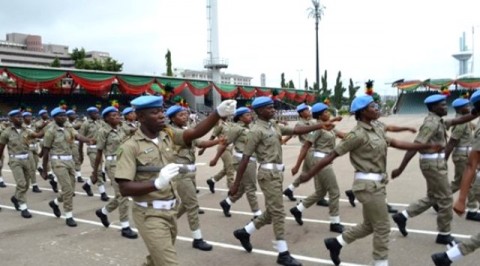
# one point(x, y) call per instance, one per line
point(305, 86)
point(338, 92)
point(291, 84)
point(55, 62)
point(324, 91)
point(107, 64)
point(168, 58)
point(282, 82)
point(352, 90)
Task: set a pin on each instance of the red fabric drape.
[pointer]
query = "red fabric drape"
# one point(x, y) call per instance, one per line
point(199, 91)
point(226, 94)
point(263, 92)
point(124, 87)
point(290, 95)
point(247, 94)
point(96, 87)
point(300, 98)
point(310, 97)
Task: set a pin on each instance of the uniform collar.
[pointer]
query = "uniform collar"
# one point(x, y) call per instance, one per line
point(365, 125)
point(242, 124)
point(264, 123)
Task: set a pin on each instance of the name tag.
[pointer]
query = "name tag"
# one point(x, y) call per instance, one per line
point(149, 150)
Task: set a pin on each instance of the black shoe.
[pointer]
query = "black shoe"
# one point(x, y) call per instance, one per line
point(473, 216)
point(286, 259)
point(80, 179)
point(435, 207)
point(211, 185)
point(200, 211)
point(334, 247)
point(104, 177)
point(127, 232)
point(36, 189)
point(289, 193)
point(351, 197)
point(446, 240)
point(226, 208)
point(297, 214)
point(53, 183)
point(88, 189)
point(401, 222)
point(15, 203)
point(201, 244)
point(26, 214)
point(2, 184)
point(197, 191)
point(323, 202)
point(71, 222)
point(441, 259)
point(337, 228)
point(244, 237)
point(103, 196)
point(56, 210)
point(103, 218)
point(391, 209)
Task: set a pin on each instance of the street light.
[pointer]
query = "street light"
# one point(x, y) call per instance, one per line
point(316, 12)
point(299, 80)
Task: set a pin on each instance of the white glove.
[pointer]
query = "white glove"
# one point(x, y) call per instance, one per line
point(166, 174)
point(226, 108)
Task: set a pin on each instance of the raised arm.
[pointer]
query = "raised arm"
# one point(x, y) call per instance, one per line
point(303, 153)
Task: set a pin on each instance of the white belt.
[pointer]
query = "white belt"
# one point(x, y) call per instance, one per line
point(111, 157)
point(92, 146)
point(467, 149)
point(240, 156)
point(62, 157)
point(432, 156)
point(32, 146)
point(368, 176)
point(319, 154)
point(158, 204)
point(41, 140)
point(76, 142)
point(189, 167)
point(19, 156)
point(273, 166)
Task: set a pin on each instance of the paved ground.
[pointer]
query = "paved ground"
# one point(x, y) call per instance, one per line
point(46, 240)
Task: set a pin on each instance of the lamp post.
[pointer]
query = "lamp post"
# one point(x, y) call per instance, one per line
point(316, 12)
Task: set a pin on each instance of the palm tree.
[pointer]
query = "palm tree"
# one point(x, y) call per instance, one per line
point(316, 12)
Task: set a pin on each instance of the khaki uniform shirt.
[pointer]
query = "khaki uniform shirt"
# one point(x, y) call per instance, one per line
point(183, 154)
point(433, 131)
point(264, 139)
point(304, 122)
point(463, 133)
point(33, 145)
point(109, 140)
point(139, 150)
point(476, 138)
point(17, 141)
point(222, 130)
point(368, 148)
point(129, 127)
point(39, 124)
point(322, 140)
point(90, 128)
point(59, 139)
point(237, 134)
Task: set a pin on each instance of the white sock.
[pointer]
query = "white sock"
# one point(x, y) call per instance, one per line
point(101, 189)
point(444, 233)
point(250, 228)
point(300, 207)
point(69, 215)
point(197, 234)
point(341, 241)
point(405, 213)
point(228, 201)
point(213, 180)
point(78, 173)
point(34, 184)
point(89, 182)
point(55, 201)
point(380, 263)
point(280, 245)
point(454, 253)
point(104, 211)
point(291, 187)
point(335, 219)
point(125, 224)
point(1, 179)
point(257, 213)
point(50, 173)
point(23, 206)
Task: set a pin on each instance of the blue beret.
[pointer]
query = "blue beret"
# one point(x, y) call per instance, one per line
point(14, 112)
point(109, 110)
point(460, 102)
point(149, 101)
point(434, 98)
point(302, 107)
point(70, 112)
point(360, 102)
point(475, 97)
point(92, 109)
point(41, 112)
point(319, 107)
point(261, 102)
point(57, 111)
point(242, 110)
point(26, 114)
point(127, 110)
point(172, 110)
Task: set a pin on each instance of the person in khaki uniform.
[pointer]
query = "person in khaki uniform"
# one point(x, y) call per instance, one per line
point(228, 169)
point(3, 126)
point(89, 129)
point(57, 147)
point(264, 140)
point(130, 124)
point(434, 169)
point(367, 146)
point(139, 161)
point(18, 138)
point(237, 134)
point(27, 123)
point(459, 146)
point(321, 143)
point(466, 247)
point(41, 126)
point(76, 124)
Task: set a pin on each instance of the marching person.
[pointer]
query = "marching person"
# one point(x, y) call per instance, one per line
point(76, 124)
point(27, 123)
point(130, 124)
point(41, 126)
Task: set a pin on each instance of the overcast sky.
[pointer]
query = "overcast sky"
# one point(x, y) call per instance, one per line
point(383, 40)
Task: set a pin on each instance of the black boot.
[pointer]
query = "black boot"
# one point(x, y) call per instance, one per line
point(15, 203)
point(56, 210)
point(323, 202)
point(104, 177)
point(334, 247)
point(201, 244)
point(103, 196)
point(401, 222)
point(391, 209)
point(446, 240)
point(53, 183)
point(2, 184)
point(211, 185)
point(88, 189)
point(286, 259)
point(351, 197)
point(297, 214)
point(103, 217)
point(80, 179)
point(244, 237)
point(226, 208)
point(26, 214)
point(289, 193)
point(337, 228)
point(71, 222)
point(200, 211)
point(435, 207)
point(36, 189)
point(127, 232)
point(441, 259)
point(473, 216)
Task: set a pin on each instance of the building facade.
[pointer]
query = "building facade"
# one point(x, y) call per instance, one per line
point(233, 79)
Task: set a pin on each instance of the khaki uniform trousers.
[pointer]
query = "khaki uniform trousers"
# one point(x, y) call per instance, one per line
point(49, 165)
point(470, 245)
point(372, 196)
point(228, 169)
point(92, 155)
point(307, 164)
point(187, 192)
point(33, 175)
point(248, 185)
point(270, 182)
point(118, 201)
point(76, 158)
point(438, 191)
point(65, 172)
point(158, 229)
point(460, 160)
point(22, 171)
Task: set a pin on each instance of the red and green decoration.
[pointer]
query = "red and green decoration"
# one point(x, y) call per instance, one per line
point(115, 104)
point(369, 87)
point(178, 100)
point(98, 105)
point(63, 104)
point(465, 95)
point(444, 90)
